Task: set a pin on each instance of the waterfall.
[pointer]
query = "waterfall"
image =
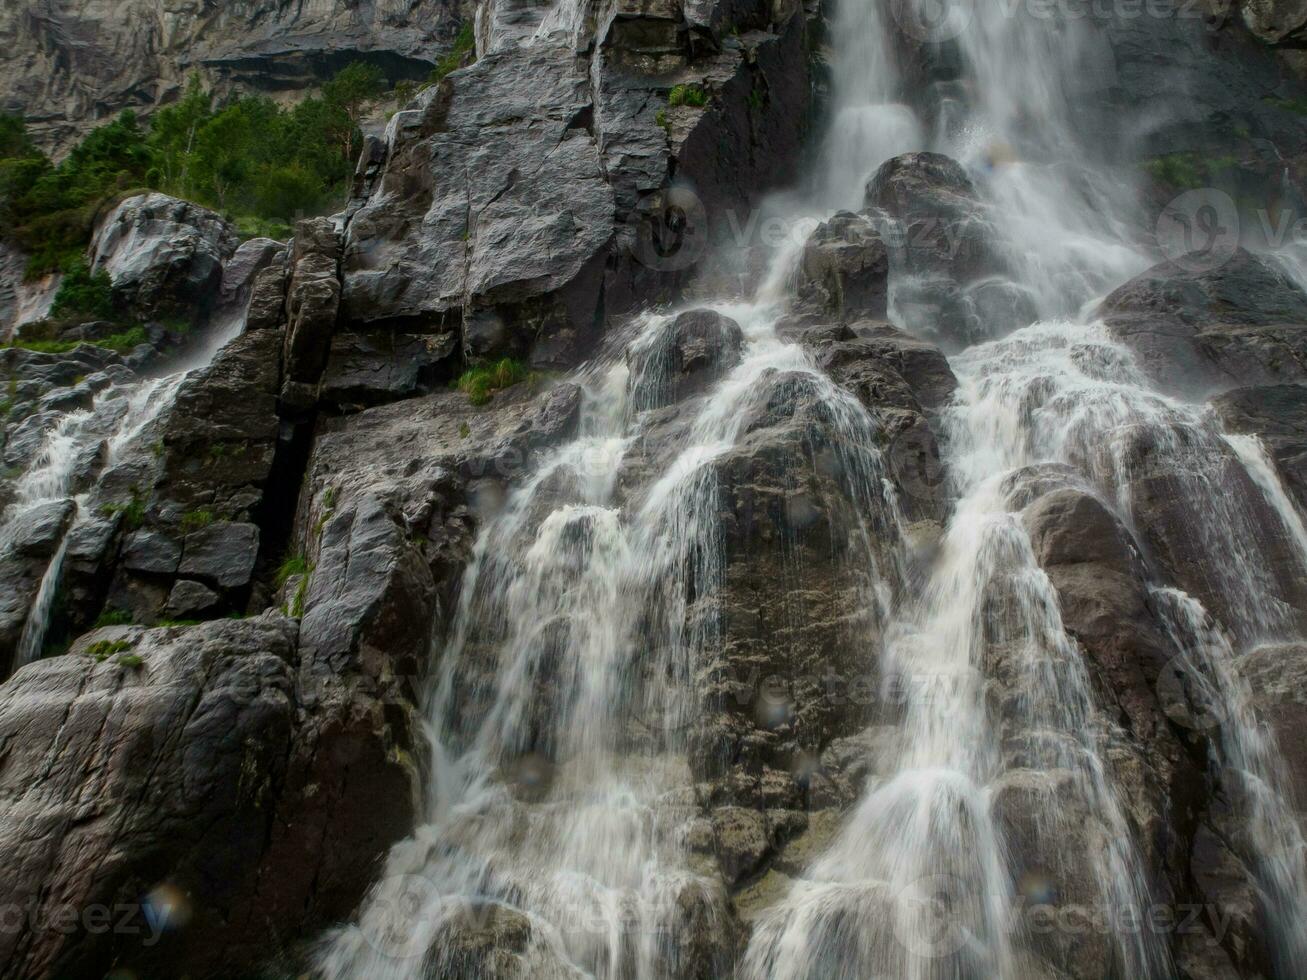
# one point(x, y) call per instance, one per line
point(562, 695)
point(559, 777)
point(1207, 679)
point(96, 437)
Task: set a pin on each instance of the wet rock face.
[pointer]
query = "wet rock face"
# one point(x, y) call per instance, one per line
point(526, 196)
point(165, 256)
point(948, 271)
point(844, 271)
point(1277, 679)
point(157, 783)
point(312, 309)
point(1277, 415)
point(1197, 329)
point(684, 359)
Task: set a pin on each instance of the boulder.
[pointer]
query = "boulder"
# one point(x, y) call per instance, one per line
point(948, 271)
point(1277, 415)
point(165, 256)
point(151, 552)
point(267, 303)
point(108, 768)
point(1277, 679)
point(684, 357)
point(222, 554)
point(381, 366)
point(844, 271)
point(219, 438)
point(312, 300)
point(36, 531)
point(1196, 329)
point(191, 783)
point(190, 599)
point(490, 193)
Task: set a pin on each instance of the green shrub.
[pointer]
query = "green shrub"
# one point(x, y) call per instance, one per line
point(251, 226)
point(480, 383)
point(301, 595)
point(114, 617)
point(1186, 170)
point(132, 511)
point(691, 95)
point(83, 293)
point(196, 520)
point(124, 341)
point(130, 660)
point(265, 163)
point(44, 346)
point(464, 43)
point(1297, 106)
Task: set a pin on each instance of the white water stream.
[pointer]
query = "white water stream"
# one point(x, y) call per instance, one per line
point(108, 429)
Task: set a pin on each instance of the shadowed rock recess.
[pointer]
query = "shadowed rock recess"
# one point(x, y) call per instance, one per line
point(539, 569)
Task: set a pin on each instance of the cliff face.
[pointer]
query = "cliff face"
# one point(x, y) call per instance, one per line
point(71, 63)
point(675, 596)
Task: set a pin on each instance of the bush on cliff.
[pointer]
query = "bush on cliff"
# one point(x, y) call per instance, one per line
point(259, 162)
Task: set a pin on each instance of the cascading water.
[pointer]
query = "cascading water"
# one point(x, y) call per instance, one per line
point(571, 810)
point(98, 435)
point(1251, 771)
point(563, 805)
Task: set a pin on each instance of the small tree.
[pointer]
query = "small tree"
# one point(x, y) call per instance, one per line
point(352, 91)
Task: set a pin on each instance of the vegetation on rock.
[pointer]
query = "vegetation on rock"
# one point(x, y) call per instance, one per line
point(262, 163)
point(480, 383)
point(691, 95)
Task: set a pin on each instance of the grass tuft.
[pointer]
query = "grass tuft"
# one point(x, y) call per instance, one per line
point(691, 95)
point(480, 383)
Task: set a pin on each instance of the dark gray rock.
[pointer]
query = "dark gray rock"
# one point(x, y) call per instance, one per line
point(163, 255)
point(36, 533)
point(126, 760)
point(948, 268)
point(1196, 329)
point(1277, 678)
point(371, 595)
point(1277, 415)
point(312, 299)
point(151, 552)
point(380, 366)
point(684, 358)
point(219, 439)
point(844, 272)
point(267, 305)
point(190, 599)
point(222, 553)
point(491, 192)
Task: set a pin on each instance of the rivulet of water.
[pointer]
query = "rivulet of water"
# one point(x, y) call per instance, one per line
point(95, 438)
